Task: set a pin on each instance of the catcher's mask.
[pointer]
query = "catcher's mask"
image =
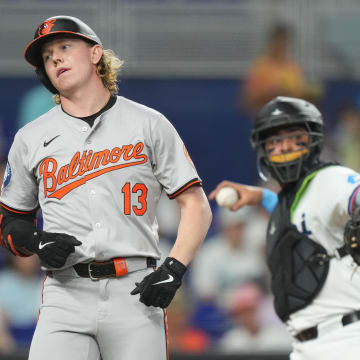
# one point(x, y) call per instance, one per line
point(56, 26)
point(294, 115)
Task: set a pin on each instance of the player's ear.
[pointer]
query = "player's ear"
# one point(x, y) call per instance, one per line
point(96, 53)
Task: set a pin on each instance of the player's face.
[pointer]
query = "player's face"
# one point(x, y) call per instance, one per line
point(70, 63)
point(287, 144)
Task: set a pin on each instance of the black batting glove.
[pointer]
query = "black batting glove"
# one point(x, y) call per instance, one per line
point(53, 248)
point(159, 288)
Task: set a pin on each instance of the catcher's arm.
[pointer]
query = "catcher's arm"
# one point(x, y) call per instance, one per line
point(248, 195)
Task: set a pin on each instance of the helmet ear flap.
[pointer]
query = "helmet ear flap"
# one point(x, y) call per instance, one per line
point(41, 74)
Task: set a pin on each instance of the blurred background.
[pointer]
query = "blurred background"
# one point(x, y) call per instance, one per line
point(208, 66)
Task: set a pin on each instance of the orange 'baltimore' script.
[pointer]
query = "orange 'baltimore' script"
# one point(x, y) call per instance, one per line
point(88, 161)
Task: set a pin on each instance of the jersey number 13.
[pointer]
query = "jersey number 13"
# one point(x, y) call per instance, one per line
point(141, 191)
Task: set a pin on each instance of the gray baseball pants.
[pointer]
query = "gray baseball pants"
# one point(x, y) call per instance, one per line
point(81, 319)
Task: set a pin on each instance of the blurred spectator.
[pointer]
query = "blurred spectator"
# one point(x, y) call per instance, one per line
point(20, 298)
point(211, 319)
point(183, 336)
point(231, 257)
point(346, 139)
point(249, 333)
point(275, 72)
point(35, 102)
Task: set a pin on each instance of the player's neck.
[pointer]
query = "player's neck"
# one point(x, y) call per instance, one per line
point(85, 102)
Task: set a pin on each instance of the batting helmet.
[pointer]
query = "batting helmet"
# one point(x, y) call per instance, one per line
point(284, 112)
point(48, 29)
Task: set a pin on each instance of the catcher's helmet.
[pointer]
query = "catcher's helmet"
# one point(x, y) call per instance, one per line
point(48, 29)
point(283, 112)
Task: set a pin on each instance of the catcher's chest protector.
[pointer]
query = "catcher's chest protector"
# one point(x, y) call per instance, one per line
point(298, 265)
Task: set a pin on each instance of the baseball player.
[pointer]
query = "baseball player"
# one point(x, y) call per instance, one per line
point(313, 233)
point(96, 164)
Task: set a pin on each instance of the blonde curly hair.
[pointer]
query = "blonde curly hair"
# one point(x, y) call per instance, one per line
point(108, 69)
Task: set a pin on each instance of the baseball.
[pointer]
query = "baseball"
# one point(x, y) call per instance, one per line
point(227, 197)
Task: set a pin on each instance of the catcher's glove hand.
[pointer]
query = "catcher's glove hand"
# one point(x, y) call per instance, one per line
point(53, 248)
point(352, 237)
point(159, 288)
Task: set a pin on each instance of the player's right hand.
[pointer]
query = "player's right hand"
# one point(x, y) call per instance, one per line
point(53, 248)
point(248, 195)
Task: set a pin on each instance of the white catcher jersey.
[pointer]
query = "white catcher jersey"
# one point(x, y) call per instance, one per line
point(100, 184)
point(321, 214)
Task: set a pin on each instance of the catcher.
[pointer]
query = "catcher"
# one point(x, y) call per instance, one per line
point(313, 233)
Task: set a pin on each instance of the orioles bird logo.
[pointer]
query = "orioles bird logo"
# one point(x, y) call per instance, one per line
point(45, 27)
point(188, 156)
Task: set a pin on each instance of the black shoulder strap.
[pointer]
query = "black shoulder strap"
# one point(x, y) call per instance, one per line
point(341, 252)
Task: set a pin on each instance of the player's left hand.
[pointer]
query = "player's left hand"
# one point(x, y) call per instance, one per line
point(159, 288)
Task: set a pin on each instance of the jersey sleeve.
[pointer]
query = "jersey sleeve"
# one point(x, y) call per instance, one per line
point(172, 164)
point(337, 191)
point(19, 191)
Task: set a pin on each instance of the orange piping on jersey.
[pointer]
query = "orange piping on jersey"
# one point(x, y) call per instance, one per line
point(166, 334)
point(42, 296)
point(88, 161)
point(184, 188)
point(9, 241)
point(42, 289)
point(17, 211)
point(12, 247)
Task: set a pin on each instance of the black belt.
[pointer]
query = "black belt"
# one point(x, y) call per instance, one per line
point(97, 270)
point(312, 333)
point(307, 334)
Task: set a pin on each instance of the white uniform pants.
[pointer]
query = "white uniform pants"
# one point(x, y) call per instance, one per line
point(342, 343)
point(81, 319)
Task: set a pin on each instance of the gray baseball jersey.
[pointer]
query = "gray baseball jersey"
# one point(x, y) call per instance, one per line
point(100, 184)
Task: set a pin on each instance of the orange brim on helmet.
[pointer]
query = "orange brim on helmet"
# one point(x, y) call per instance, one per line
point(54, 26)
